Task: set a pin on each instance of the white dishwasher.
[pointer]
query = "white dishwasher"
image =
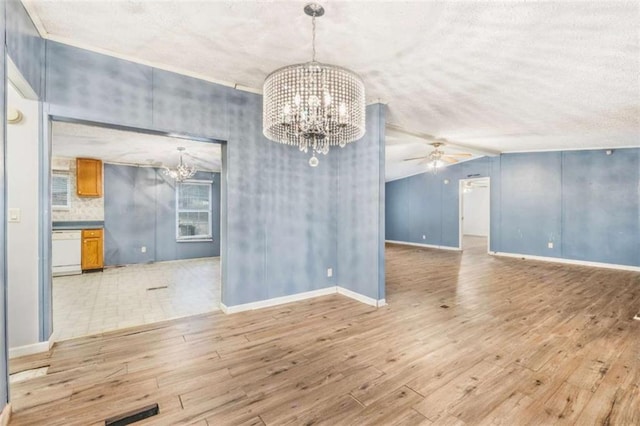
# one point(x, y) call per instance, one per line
point(66, 252)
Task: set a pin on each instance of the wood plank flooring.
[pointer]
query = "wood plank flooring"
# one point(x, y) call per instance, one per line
point(466, 339)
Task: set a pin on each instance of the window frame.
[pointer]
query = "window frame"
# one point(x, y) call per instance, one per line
point(67, 175)
point(194, 238)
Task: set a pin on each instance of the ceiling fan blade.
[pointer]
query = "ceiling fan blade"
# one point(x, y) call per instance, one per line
point(459, 154)
point(415, 158)
point(449, 160)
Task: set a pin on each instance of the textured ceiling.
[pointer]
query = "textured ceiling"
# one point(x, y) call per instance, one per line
point(72, 140)
point(506, 76)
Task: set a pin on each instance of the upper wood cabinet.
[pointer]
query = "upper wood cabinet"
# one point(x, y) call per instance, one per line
point(88, 177)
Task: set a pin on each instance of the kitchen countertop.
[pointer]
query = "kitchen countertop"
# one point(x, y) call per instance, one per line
point(79, 224)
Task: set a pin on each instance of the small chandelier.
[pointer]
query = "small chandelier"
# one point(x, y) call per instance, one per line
point(182, 171)
point(313, 105)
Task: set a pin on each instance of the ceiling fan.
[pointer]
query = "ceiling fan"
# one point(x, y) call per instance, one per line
point(437, 158)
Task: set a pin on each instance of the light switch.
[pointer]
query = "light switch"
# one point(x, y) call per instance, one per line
point(14, 215)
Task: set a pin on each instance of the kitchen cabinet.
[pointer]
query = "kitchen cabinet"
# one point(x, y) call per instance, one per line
point(88, 177)
point(92, 249)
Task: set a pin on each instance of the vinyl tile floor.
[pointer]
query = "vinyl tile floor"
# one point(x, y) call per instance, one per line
point(127, 296)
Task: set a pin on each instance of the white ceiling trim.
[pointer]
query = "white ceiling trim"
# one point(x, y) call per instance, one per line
point(595, 148)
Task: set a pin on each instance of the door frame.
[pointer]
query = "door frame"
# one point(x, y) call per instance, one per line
point(47, 333)
point(461, 185)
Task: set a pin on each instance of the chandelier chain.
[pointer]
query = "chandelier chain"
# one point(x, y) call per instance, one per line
point(313, 36)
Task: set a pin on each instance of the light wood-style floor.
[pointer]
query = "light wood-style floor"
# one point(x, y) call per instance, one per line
point(466, 339)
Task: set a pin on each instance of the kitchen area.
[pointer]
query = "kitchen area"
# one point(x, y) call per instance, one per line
point(78, 216)
point(123, 254)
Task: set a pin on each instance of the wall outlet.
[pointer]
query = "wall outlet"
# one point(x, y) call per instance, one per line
point(329, 272)
point(143, 249)
point(424, 237)
point(550, 244)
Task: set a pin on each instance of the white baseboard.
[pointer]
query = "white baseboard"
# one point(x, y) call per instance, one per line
point(405, 243)
point(567, 261)
point(277, 300)
point(360, 298)
point(34, 348)
point(5, 416)
point(302, 296)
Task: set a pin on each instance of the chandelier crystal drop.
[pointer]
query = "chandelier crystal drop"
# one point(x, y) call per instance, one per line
point(313, 105)
point(182, 171)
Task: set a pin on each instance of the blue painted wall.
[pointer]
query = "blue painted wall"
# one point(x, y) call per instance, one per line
point(90, 86)
point(427, 204)
point(586, 202)
point(280, 233)
point(600, 206)
point(4, 379)
point(188, 105)
point(361, 210)
point(24, 45)
point(140, 211)
point(531, 203)
point(281, 213)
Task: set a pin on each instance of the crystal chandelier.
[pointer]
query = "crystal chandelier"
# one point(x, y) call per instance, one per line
point(182, 171)
point(313, 105)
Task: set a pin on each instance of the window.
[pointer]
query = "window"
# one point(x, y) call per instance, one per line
point(193, 210)
point(60, 191)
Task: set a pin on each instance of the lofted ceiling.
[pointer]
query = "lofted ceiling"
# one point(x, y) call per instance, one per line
point(504, 76)
point(71, 140)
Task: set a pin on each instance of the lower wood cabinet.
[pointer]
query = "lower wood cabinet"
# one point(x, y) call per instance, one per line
point(92, 249)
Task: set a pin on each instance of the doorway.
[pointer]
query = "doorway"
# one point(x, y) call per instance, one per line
point(475, 214)
point(148, 243)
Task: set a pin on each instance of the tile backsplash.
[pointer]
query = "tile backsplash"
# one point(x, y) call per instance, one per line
point(81, 208)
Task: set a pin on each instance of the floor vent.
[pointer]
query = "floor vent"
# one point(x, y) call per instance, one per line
point(133, 416)
point(157, 288)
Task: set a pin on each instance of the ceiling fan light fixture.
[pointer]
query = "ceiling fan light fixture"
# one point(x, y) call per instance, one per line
point(313, 105)
point(438, 159)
